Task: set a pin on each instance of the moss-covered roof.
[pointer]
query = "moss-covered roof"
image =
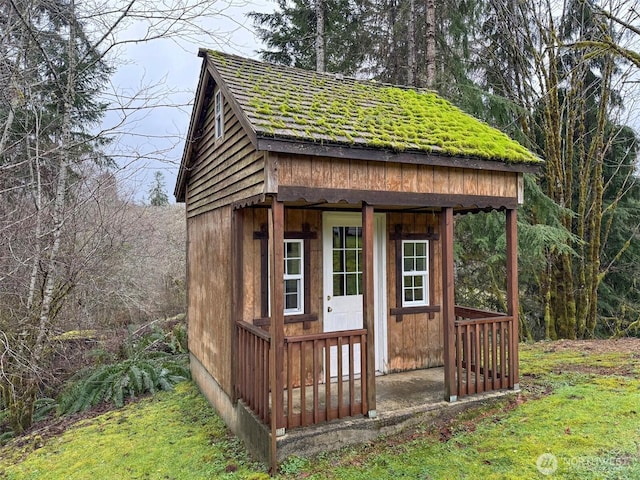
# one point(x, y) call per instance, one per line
point(290, 103)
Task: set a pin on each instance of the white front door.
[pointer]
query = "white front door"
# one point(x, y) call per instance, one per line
point(342, 254)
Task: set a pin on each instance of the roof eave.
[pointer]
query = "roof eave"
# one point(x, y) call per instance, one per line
point(208, 71)
point(181, 181)
point(357, 152)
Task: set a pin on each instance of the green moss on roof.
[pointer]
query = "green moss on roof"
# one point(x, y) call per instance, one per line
point(286, 102)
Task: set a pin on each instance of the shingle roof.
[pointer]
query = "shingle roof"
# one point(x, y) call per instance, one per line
point(291, 103)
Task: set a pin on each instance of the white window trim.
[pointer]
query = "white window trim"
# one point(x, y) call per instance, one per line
point(415, 273)
point(218, 121)
point(299, 277)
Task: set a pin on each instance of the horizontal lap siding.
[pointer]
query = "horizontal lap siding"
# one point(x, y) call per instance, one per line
point(209, 302)
point(226, 170)
point(327, 172)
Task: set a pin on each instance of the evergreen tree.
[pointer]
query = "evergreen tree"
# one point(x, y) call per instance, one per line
point(545, 75)
point(561, 98)
point(290, 34)
point(157, 193)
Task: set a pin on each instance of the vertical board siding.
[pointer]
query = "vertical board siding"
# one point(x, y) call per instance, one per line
point(255, 219)
point(209, 302)
point(416, 341)
point(328, 172)
point(226, 170)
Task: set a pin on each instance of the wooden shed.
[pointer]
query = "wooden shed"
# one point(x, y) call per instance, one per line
point(320, 213)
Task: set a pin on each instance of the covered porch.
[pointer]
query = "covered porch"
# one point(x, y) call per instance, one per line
point(404, 399)
point(271, 369)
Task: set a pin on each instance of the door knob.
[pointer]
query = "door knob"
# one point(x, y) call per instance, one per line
point(329, 309)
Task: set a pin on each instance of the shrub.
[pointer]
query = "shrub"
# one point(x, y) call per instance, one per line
point(145, 370)
point(147, 363)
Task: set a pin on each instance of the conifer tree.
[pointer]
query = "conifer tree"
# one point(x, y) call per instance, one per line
point(158, 192)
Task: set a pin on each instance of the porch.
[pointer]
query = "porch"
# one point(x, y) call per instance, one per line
point(288, 383)
point(404, 399)
point(483, 362)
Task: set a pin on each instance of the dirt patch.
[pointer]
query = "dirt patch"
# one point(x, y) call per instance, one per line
point(622, 370)
point(450, 422)
point(618, 345)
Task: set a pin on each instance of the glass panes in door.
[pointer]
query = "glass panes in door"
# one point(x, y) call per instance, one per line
point(347, 261)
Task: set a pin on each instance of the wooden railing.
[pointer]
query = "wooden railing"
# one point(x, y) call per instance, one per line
point(325, 377)
point(483, 345)
point(252, 384)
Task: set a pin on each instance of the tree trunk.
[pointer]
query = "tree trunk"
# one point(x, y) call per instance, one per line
point(431, 44)
point(320, 36)
point(411, 45)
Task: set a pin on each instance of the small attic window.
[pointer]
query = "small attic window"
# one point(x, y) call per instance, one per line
point(219, 114)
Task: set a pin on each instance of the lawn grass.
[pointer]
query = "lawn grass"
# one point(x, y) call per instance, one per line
point(173, 435)
point(582, 407)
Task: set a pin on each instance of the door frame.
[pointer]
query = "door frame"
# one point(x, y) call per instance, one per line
point(379, 275)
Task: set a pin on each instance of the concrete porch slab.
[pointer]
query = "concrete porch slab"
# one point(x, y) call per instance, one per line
point(403, 399)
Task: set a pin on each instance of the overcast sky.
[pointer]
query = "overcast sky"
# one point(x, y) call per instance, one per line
point(170, 69)
point(167, 71)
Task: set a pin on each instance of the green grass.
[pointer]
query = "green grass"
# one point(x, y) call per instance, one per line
point(591, 426)
point(581, 407)
point(174, 435)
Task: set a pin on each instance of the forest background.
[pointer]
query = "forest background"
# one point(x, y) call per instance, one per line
point(90, 276)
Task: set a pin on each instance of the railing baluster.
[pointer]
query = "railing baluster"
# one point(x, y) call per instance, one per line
point(467, 359)
point(251, 373)
point(290, 362)
point(364, 407)
point(265, 381)
point(494, 357)
point(303, 385)
point(459, 357)
point(339, 370)
point(477, 360)
point(485, 357)
point(316, 412)
point(504, 341)
point(352, 398)
point(327, 376)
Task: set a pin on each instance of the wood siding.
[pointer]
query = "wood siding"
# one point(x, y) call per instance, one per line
point(209, 302)
point(254, 220)
point(416, 341)
point(226, 170)
point(327, 172)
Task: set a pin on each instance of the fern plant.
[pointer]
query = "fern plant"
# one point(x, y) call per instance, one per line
point(143, 372)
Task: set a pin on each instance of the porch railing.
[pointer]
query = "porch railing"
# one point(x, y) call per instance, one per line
point(252, 384)
point(325, 375)
point(483, 350)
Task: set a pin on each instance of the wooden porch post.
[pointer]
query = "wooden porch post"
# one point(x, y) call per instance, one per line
point(368, 305)
point(448, 305)
point(512, 295)
point(237, 307)
point(276, 351)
